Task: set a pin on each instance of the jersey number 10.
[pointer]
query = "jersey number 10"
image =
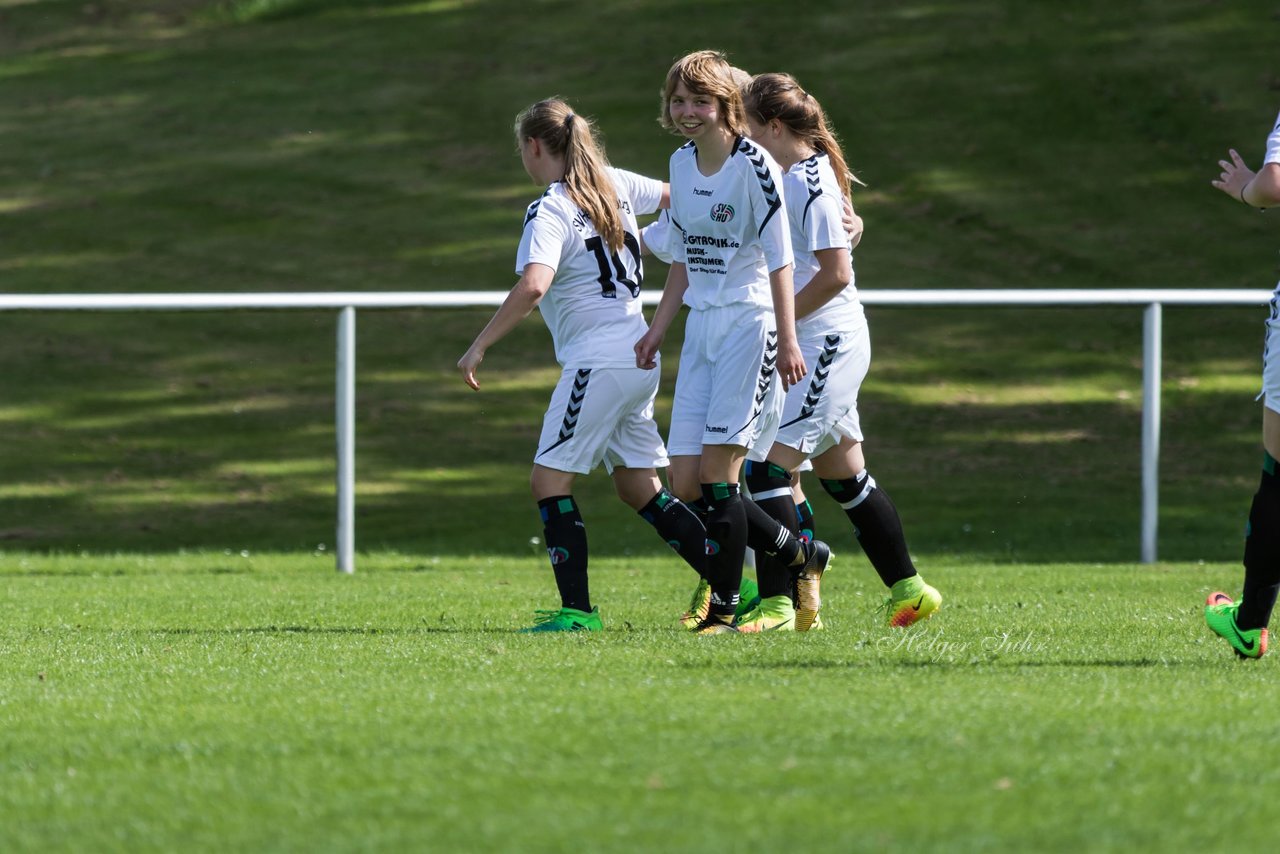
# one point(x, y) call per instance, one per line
point(612, 276)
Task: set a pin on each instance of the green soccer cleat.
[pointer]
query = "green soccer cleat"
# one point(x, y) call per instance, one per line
point(775, 614)
point(1220, 615)
point(748, 597)
point(808, 598)
point(910, 601)
point(566, 620)
point(699, 605)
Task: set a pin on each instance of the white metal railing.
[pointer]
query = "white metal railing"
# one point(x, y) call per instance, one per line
point(347, 303)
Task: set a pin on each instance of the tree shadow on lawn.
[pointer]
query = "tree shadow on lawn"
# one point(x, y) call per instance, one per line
point(149, 434)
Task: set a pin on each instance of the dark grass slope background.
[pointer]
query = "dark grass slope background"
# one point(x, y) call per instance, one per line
point(297, 145)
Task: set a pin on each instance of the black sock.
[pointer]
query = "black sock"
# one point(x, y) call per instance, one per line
point(876, 524)
point(1262, 552)
point(770, 487)
point(680, 527)
point(806, 525)
point(726, 544)
point(566, 541)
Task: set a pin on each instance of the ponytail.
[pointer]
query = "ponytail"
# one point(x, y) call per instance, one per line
point(779, 96)
point(586, 169)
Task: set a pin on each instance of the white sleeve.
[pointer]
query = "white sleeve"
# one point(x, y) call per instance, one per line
point(543, 240)
point(645, 193)
point(770, 212)
point(657, 235)
point(1273, 144)
point(824, 224)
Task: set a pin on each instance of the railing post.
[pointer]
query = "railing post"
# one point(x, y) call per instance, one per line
point(1151, 355)
point(346, 433)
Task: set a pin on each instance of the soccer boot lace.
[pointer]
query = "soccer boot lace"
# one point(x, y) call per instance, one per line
point(774, 614)
point(715, 624)
point(1220, 615)
point(808, 597)
point(566, 620)
point(910, 601)
point(700, 603)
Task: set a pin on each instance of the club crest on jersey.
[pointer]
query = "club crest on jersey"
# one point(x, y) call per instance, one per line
point(722, 212)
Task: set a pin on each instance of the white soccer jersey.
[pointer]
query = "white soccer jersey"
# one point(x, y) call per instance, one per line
point(1273, 144)
point(731, 227)
point(593, 305)
point(815, 210)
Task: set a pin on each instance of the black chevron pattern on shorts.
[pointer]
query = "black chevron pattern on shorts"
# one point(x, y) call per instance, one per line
point(768, 364)
point(813, 183)
point(819, 382)
point(771, 196)
point(573, 410)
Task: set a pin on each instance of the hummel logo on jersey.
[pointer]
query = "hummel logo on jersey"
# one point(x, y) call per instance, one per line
point(722, 212)
point(698, 192)
point(711, 429)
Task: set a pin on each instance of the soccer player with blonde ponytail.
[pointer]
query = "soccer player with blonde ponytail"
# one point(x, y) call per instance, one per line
point(579, 262)
point(820, 418)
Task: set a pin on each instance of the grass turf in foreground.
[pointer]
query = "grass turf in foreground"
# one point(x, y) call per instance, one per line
point(224, 702)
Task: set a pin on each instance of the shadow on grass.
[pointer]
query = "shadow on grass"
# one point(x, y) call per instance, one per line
point(995, 443)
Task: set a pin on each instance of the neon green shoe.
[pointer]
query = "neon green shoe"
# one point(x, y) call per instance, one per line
point(748, 597)
point(1220, 614)
point(775, 614)
point(700, 603)
point(566, 620)
point(911, 600)
point(808, 598)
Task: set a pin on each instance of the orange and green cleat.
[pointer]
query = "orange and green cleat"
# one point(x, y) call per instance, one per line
point(1220, 615)
point(910, 601)
point(774, 614)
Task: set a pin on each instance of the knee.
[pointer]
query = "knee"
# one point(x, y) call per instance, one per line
point(767, 480)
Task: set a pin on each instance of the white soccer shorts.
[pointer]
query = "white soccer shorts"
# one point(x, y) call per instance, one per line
point(821, 411)
point(727, 389)
point(1270, 394)
point(602, 415)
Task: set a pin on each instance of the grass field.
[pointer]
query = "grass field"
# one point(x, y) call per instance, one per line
point(261, 702)
point(183, 670)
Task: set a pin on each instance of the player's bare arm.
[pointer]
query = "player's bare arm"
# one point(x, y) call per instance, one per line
point(668, 307)
point(834, 275)
point(524, 297)
point(852, 223)
point(1259, 189)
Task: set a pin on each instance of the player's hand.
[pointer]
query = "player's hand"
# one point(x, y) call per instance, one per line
point(791, 366)
point(852, 223)
point(468, 364)
point(647, 350)
point(1235, 176)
